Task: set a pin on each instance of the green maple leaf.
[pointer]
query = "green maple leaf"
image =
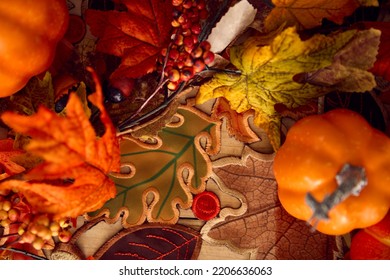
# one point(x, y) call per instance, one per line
point(171, 170)
point(328, 63)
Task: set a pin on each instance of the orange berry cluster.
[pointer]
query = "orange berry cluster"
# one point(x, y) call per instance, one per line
point(8, 214)
point(186, 56)
point(35, 229)
point(41, 229)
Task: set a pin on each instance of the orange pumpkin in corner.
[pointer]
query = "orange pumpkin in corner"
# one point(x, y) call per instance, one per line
point(29, 33)
point(333, 171)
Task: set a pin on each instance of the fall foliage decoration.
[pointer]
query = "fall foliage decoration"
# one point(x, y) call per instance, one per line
point(136, 35)
point(172, 167)
point(61, 185)
point(308, 14)
point(316, 149)
point(161, 243)
point(267, 73)
point(29, 49)
point(260, 225)
point(236, 122)
point(7, 153)
point(186, 56)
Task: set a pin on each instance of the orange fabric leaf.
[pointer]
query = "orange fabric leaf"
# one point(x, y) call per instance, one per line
point(136, 35)
point(71, 150)
point(7, 152)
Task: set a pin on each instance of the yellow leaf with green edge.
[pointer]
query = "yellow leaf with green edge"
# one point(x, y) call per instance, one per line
point(267, 73)
point(171, 171)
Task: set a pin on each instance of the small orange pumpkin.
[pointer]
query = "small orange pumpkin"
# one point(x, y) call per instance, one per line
point(316, 149)
point(29, 33)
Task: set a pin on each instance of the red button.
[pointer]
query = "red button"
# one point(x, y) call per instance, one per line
point(206, 205)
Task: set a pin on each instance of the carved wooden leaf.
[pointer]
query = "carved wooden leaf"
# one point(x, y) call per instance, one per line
point(152, 242)
point(169, 171)
point(238, 125)
point(265, 225)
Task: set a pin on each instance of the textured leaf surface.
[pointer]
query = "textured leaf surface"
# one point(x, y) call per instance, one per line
point(382, 63)
point(238, 125)
point(152, 243)
point(265, 225)
point(268, 72)
point(71, 150)
point(307, 14)
point(171, 170)
point(136, 35)
point(7, 153)
point(37, 92)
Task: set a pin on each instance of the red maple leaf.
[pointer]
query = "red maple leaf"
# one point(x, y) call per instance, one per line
point(136, 35)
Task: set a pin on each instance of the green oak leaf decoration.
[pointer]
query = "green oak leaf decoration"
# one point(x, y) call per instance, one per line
point(164, 174)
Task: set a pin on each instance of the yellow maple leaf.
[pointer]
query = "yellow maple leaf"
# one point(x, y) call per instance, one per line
point(267, 73)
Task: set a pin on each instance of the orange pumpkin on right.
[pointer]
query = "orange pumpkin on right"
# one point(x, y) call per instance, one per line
point(372, 243)
point(333, 171)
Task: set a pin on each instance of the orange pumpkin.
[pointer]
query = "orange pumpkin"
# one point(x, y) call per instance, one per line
point(316, 149)
point(29, 33)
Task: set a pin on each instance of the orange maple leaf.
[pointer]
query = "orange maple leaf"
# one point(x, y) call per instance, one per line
point(307, 14)
point(7, 153)
point(136, 35)
point(73, 178)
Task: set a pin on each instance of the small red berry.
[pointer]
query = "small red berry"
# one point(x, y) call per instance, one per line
point(174, 54)
point(187, 4)
point(175, 23)
point(208, 57)
point(201, 4)
point(188, 41)
point(196, 28)
point(174, 75)
point(199, 66)
point(197, 52)
point(205, 45)
point(172, 85)
point(187, 73)
point(178, 39)
point(177, 2)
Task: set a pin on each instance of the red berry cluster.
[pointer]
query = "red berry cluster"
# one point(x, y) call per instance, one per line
point(35, 229)
point(186, 55)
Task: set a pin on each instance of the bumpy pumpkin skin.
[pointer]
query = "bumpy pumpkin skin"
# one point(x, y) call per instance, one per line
point(29, 33)
point(315, 150)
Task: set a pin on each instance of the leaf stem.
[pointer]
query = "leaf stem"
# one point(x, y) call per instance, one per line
point(14, 250)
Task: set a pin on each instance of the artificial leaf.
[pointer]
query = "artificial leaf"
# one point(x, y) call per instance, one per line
point(173, 168)
point(150, 129)
point(45, 92)
point(267, 73)
point(369, 3)
point(265, 225)
point(382, 63)
point(306, 14)
point(71, 150)
point(152, 242)
point(232, 24)
point(136, 35)
point(37, 92)
point(7, 154)
point(238, 123)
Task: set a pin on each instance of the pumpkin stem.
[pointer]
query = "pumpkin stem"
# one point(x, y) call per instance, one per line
point(350, 182)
